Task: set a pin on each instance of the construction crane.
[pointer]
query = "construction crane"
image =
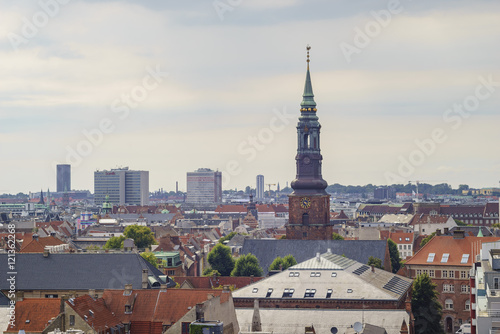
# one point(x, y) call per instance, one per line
point(270, 184)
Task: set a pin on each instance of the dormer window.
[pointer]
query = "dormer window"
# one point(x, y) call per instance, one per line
point(128, 309)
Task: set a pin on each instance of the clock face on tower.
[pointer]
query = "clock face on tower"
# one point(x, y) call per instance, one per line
point(305, 202)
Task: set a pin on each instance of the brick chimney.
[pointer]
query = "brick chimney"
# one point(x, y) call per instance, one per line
point(45, 252)
point(128, 290)
point(144, 278)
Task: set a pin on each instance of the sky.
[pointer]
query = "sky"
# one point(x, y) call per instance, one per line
point(405, 90)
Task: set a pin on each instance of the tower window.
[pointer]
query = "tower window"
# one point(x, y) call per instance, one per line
point(306, 140)
point(305, 219)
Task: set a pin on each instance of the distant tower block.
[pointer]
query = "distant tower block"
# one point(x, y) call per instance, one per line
point(63, 178)
point(260, 187)
point(309, 203)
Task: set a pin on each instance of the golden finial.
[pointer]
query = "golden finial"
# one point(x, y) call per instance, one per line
point(308, 47)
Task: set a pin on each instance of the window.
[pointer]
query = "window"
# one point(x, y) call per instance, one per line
point(451, 273)
point(465, 258)
point(329, 293)
point(288, 293)
point(400, 247)
point(425, 271)
point(467, 305)
point(291, 274)
point(404, 247)
point(51, 296)
point(444, 273)
point(349, 290)
point(309, 293)
point(254, 290)
point(445, 257)
point(334, 274)
point(71, 320)
point(296, 274)
point(448, 304)
point(448, 288)
point(431, 256)
point(315, 274)
point(496, 283)
point(463, 274)
point(269, 292)
point(409, 247)
point(464, 288)
point(431, 273)
point(185, 328)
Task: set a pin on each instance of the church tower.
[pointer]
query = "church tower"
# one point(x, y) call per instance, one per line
point(309, 203)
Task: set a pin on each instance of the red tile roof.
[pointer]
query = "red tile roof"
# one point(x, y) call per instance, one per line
point(400, 237)
point(94, 312)
point(156, 306)
point(38, 246)
point(456, 248)
point(31, 318)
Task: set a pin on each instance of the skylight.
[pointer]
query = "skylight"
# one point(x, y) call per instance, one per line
point(465, 258)
point(431, 257)
point(445, 257)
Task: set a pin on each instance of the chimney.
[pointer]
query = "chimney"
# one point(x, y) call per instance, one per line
point(226, 289)
point(438, 232)
point(45, 253)
point(92, 293)
point(281, 267)
point(200, 315)
point(458, 234)
point(318, 258)
point(256, 323)
point(373, 268)
point(35, 236)
point(163, 288)
point(19, 296)
point(210, 296)
point(329, 251)
point(251, 278)
point(128, 290)
point(446, 230)
point(144, 278)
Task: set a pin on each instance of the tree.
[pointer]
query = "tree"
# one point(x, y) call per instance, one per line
point(336, 236)
point(247, 265)
point(427, 239)
point(460, 223)
point(210, 272)
point(114, 243)
point(142, 235)
point(285, 262)
point(221, 260)
point(425, 306)
point(394, 254)
point(151, 258)
point(227, 237)
point(375, 261)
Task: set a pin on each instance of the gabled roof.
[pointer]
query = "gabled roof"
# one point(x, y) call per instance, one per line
point(267, 250)
point(29, 317)
point(429, 219)
point(401, 237)
point(78, 271)
point(157, 306)
point(332, 274)
point(94, 312)
point(38, 245)
point(457, 250)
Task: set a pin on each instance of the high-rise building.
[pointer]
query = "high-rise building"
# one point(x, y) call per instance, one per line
point(204, 186)
point(123, 186)
point(309, 203)
point(260, 187)
point(63, 178)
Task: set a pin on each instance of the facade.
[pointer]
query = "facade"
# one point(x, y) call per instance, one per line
point(309, 203)
point(448, 261)
point(260, 187)
point(123, 186)
point(204, 186)
point(404, 242)
point(485, 290)
point(63, 178)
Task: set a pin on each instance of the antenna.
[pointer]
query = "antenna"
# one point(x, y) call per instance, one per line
point(358, 327)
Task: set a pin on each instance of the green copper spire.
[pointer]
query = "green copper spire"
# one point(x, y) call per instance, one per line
point(308, 103)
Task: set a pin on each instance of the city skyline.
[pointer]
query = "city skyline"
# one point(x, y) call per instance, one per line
point(405, 90)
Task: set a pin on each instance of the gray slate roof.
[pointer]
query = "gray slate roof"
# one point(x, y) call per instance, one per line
point(267, 250)
point(76, 271)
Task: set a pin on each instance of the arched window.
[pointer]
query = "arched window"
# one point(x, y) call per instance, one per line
point(306, 140)
point(448, 304)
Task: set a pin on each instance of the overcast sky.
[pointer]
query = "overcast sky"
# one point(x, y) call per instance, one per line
point(172, 86)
